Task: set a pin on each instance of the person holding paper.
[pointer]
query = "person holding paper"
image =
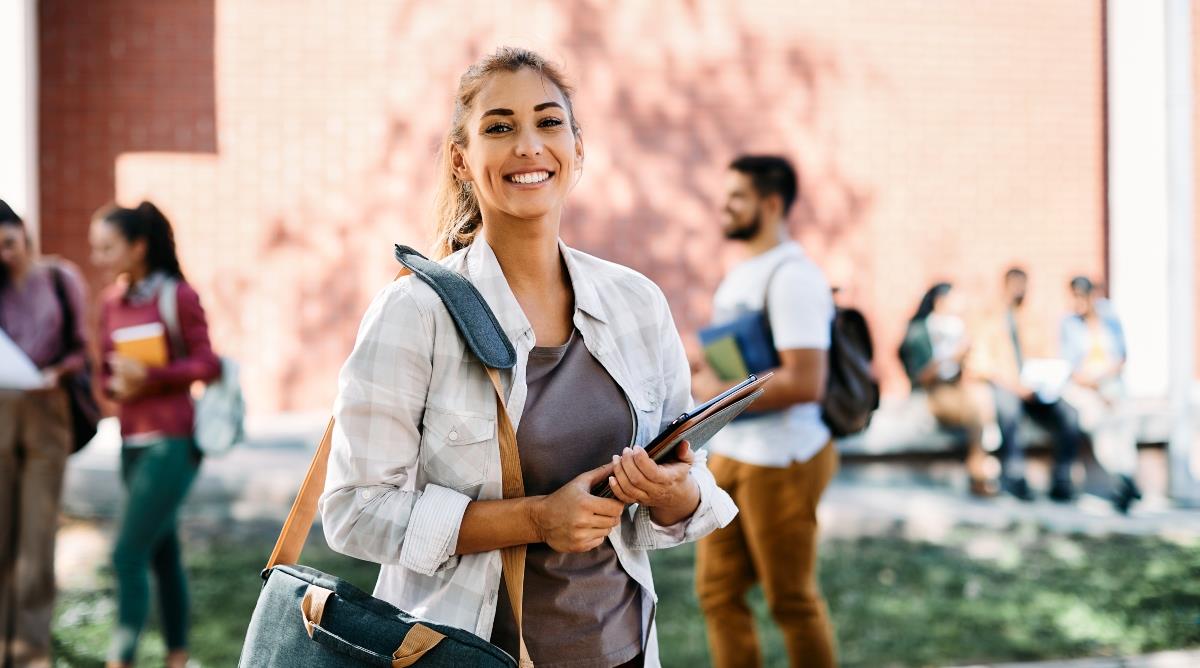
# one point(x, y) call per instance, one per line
point(775, 465)
point(1015, 356)
point(42, 313)
point(149, 372)
point(414, 479)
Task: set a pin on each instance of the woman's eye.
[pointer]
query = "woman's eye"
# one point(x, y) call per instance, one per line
point(550, 122)
point(497, 128)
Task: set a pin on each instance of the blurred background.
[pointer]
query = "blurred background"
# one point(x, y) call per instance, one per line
point(291, 143)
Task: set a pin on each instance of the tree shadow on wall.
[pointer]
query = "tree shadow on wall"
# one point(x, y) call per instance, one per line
point(668, 128)
point(679, 125)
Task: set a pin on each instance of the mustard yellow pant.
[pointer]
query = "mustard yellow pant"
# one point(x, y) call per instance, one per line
point(773, 541)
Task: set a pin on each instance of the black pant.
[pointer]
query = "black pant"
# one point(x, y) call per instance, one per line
point(1057, 417)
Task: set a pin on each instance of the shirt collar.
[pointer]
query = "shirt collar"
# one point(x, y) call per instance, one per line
point(587, 297)
point(483, 269)
point(147, 289)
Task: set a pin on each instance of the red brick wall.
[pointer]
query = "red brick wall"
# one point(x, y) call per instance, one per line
point(292, 143)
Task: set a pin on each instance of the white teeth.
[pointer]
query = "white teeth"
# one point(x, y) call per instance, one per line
point(530, 177)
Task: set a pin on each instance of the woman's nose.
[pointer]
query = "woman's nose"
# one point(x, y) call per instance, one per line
point(529, 145)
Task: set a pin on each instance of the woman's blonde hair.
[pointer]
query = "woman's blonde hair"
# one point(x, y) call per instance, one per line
point(456, 210)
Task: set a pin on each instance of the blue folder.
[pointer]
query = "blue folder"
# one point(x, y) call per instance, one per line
point(752, 335)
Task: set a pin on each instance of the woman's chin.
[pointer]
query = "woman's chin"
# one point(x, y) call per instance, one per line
point(530, 211)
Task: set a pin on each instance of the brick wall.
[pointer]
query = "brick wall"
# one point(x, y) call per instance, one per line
point(292, 143)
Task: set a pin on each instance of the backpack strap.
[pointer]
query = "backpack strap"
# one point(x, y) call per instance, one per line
point(487, 341)
point(168, 310)
point(70, 338)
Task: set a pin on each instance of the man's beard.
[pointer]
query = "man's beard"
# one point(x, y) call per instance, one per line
point(747, 231)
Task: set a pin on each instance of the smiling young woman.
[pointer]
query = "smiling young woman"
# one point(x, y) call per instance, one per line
point(414, 475)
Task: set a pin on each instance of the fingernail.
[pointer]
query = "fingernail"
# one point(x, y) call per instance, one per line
point(626, 451)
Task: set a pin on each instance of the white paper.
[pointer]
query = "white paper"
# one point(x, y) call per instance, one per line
point(1046, 377)
point(17, 372)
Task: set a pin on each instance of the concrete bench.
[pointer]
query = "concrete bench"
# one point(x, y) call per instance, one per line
point(903, 426)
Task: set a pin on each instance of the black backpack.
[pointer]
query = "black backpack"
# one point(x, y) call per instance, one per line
point(851, 391)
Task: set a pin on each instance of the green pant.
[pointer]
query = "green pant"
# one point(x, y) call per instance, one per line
point(157, 477)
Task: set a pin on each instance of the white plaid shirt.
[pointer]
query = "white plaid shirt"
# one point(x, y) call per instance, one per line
point(416, 439)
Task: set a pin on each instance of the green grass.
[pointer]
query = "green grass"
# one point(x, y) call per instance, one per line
point(975, 596)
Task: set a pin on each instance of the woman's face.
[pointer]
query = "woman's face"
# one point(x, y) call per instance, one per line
point(14, 250)
point(112, 253)
point(521, 157)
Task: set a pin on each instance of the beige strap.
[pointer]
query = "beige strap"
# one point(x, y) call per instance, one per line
point(512, 559)
point(419, 640)
point(304, 509)
point(312, 606)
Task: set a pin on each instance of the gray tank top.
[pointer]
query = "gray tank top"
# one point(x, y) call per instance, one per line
point(581, 610)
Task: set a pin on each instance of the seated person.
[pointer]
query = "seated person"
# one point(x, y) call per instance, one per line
point(1093, 343)
point(1004, 354)
point(933, 352)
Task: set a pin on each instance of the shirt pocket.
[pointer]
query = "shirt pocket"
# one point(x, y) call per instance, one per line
point(647, 403)
point(455, 447)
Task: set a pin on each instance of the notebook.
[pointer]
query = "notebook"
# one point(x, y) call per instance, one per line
point(698, 425)
point(144, 343)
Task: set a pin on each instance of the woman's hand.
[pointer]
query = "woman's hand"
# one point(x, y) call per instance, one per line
point(128, 377)
point(51, 378)
point(668, 490)
point(571, 519)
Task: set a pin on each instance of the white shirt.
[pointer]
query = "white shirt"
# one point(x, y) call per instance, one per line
point(415, 438)
point(801, 314)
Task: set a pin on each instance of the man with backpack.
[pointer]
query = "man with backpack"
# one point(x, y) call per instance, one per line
point(776, 463)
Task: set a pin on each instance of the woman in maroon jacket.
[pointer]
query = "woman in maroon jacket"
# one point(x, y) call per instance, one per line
point(159, 458)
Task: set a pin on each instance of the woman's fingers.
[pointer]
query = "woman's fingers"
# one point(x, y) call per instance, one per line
point(629, 479)
point(645, 466)
point(620, 492)
point(684, 453)
point(629, 465)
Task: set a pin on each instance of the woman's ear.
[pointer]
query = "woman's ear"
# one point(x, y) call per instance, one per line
point(139, 249)
point(578, 159)
point(458, 164)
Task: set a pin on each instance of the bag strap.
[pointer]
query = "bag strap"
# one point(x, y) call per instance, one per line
point(70, 339)
point(771, 281)
point(479, 328)
point(168, 310)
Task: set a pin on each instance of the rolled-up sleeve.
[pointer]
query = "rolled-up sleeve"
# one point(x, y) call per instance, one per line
point(716, 508)
point(371, 508)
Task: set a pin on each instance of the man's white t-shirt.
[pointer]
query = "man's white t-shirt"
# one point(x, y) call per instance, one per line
point(801, 313)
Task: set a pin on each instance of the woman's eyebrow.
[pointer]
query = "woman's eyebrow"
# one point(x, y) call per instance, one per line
point(509, 112)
